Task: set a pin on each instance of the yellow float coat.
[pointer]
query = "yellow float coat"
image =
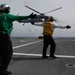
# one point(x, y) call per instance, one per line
point(47, 28)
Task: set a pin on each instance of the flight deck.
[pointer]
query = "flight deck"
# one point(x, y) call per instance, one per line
point(27, 57)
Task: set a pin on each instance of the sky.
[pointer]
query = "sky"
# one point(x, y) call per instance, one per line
point(64, 16)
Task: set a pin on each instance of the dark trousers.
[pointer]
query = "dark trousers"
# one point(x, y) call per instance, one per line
point(48, 40)
point(5, 51)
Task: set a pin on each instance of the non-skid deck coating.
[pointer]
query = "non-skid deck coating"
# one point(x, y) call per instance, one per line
point(27, 58)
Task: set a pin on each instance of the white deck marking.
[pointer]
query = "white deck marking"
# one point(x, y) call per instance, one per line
point(62, 56)
point(25, 44)
point(27, 54)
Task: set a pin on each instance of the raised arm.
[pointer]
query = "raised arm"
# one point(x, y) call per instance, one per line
point(61, 27)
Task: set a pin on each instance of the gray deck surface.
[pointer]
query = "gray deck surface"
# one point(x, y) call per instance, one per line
point(27, 58)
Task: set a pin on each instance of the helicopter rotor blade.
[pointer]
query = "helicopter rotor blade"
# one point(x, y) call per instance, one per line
point(33, 9)
point(53, 10)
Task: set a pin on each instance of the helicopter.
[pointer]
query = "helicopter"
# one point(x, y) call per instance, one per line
point(41, 17)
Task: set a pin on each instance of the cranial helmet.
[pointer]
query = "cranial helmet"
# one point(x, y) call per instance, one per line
point(52, 19)
point(3, 6)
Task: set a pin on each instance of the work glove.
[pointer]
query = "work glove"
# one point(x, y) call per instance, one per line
point(32, 23)
point(68, 27)
point(32, 15)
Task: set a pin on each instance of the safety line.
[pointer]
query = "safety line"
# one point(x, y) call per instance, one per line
point(26, 54)
point(25, 44)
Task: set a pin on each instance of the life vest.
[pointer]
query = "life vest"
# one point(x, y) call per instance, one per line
point(47, 28)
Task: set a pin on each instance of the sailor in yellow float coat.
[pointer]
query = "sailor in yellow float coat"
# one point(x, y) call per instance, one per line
point(48, 28)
